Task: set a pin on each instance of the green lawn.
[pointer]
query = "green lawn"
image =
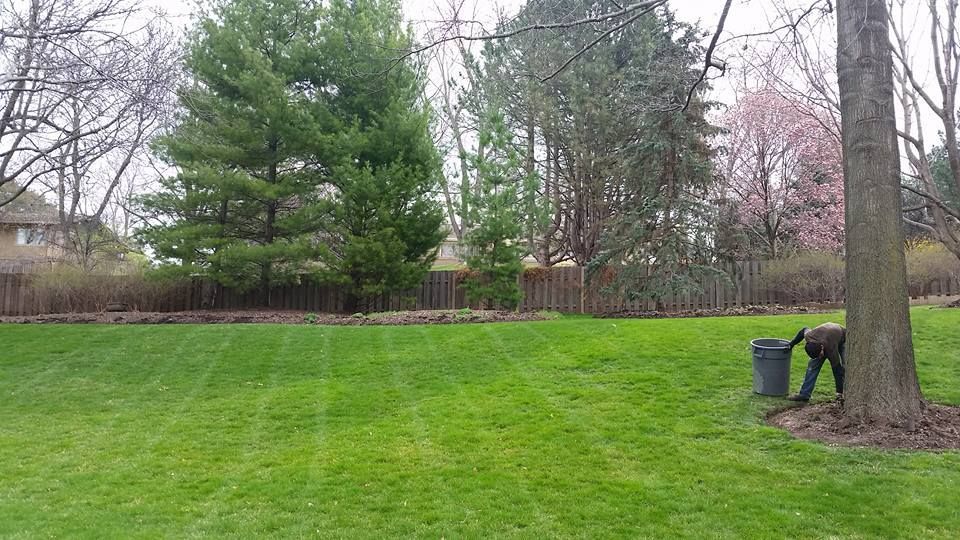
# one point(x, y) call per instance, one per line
point(571, 428)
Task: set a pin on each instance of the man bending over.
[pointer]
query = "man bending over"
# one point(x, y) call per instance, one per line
point(823, 342)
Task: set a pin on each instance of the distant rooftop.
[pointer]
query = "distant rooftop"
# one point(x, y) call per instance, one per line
point(28, 208)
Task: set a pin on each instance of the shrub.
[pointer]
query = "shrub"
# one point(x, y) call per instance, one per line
point(811, 276)
point(310, 318)
point(463, 314)
point(68, 289)
point(464, 274)
point(536, 274)
point(928, 262)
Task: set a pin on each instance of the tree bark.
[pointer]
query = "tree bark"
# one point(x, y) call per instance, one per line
point(529, 169)
point(269, 232)
point(456, 210)
point(881, 382)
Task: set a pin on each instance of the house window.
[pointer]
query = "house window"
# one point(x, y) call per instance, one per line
point(31, 237)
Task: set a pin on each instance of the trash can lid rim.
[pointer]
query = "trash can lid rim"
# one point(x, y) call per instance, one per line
point(781, 343)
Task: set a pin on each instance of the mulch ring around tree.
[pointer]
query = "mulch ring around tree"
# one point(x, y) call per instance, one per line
point(938, 429)
point(775, 309)
point(954, 304)
point(281, 317)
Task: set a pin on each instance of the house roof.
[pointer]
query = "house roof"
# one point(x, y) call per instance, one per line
point(28, 208)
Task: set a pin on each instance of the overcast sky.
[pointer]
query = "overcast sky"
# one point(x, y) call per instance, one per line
point(746, 16)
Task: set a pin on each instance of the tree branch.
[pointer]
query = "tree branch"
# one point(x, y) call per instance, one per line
point(915, 208)
point(942, 205)
point(923, 226)
point(792, 24)
point(601, 37)
point(708, 61)
point(643, 4)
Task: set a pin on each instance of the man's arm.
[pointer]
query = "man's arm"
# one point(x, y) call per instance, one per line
point(834, 355)
point(799, 337)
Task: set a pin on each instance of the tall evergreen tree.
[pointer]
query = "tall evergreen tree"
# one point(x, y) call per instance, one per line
point(942, 176)
point(625, 168)
point(617, 156)
point(382, 223)
point(303, 148)
point(658, 237)
point(497, 208)
point(254, 133)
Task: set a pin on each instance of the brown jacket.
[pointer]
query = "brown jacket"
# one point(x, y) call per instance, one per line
point(830, 336)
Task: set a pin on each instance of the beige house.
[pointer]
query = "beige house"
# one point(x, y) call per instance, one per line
point(449, 254)
point(28, 229)
point(452, 254)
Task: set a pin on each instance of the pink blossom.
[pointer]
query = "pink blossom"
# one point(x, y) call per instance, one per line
point(783, 171)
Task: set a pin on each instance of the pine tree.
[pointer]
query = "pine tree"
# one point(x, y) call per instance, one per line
point(497, 209)
point(633, 162)
point(249, 147)
point(624, 169)
point(304, 148)
point(382, 224)
point(657, 243)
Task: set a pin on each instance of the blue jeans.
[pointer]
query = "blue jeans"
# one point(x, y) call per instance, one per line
point(813, 371)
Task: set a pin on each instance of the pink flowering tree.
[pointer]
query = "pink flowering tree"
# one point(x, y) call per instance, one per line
point(783, 175)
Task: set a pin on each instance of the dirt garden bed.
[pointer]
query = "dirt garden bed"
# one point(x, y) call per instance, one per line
point(280, 317)
point(939, 429)
point(775, 309)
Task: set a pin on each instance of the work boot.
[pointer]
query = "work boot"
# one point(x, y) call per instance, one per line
point(798, 397)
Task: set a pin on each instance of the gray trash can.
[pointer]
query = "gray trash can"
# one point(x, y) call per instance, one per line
point(771, 366)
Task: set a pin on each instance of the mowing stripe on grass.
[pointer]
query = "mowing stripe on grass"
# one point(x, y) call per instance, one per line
point(444, 431)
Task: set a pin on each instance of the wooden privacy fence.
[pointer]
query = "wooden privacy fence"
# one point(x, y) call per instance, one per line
point(564, 289)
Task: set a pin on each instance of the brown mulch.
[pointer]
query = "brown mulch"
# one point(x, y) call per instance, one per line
point(939, 429)
point(775, 309)
point(280, 317)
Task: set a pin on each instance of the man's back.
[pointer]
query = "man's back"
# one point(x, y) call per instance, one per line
point(829, 335)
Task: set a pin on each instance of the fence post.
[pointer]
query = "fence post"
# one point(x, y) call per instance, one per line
point(583, 292)
point(453, 289)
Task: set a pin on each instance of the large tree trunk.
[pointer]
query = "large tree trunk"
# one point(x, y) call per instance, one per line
point(266, 268)
point(532, 226)
point(269, 234)
point(881, 381)
point(352, 299)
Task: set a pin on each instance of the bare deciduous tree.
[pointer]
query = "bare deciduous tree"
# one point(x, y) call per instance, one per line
point(85, 86)
point(915, 98)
